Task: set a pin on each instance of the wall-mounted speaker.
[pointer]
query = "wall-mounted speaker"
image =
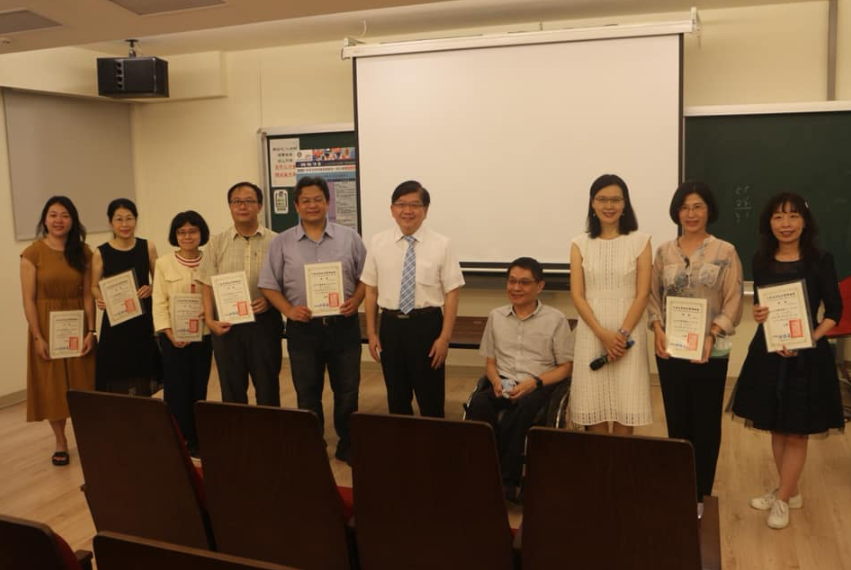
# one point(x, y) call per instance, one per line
point(131, 77)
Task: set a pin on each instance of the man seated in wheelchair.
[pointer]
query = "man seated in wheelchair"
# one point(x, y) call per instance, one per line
point(528, 348)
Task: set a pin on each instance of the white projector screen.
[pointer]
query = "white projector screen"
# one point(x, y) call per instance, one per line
point(508, 139)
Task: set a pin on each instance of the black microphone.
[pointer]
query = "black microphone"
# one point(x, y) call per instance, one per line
point(598, 363)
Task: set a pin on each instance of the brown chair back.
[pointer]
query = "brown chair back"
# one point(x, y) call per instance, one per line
point(32, 545)
point(270, 490)
point(115, 551)
point(603, 501)
point(138, 476)
point(428, 494)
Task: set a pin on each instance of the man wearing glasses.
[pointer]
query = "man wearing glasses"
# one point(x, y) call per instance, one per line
point(248, 348)
point(412, 274)
point(315, 343)
point(528, 348)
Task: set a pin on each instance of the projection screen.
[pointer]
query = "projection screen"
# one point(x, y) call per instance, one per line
point(508, 139)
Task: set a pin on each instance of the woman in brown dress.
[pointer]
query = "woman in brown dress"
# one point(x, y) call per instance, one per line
point(56, 276)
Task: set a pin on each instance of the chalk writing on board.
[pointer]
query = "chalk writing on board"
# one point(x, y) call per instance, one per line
point(742, 204)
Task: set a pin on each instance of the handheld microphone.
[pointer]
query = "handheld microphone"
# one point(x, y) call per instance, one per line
point(598, 363)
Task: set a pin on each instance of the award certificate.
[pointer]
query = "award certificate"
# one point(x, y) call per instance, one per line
point(324, 285)
point(685, 327)
point(119, 296)
point(233, 300)
point(185, 319)
point(67, 330)
point(788, 323)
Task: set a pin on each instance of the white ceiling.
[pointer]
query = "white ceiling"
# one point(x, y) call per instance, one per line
point(248, 24)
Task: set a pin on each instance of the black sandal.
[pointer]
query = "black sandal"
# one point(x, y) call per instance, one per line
point(60, 458)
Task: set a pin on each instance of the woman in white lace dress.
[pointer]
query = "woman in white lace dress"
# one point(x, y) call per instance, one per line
point(610, 283)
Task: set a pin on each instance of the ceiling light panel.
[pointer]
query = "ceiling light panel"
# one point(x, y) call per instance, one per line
point(24, 21)
point(149, 7)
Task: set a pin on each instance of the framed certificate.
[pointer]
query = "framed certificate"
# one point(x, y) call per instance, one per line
point(186, 309)
point(324, 285)
point(67, 330)
point(685, 327)
point(788, 323)
point(119, 296)
point(233, 300)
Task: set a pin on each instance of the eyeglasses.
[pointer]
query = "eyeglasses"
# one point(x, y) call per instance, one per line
point(408, 205)
point(238, 203)
point(306, 201)
point(522, 282)
point(697, 208)
point(615, 201)
point(188, 233)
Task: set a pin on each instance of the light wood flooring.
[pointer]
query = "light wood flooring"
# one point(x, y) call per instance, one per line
point(818, 538)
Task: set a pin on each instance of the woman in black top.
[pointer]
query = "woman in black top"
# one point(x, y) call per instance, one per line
point(128, 359)
point(791, 393)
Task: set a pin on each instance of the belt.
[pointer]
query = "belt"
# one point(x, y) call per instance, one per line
point(395, 314)
point(325, 321)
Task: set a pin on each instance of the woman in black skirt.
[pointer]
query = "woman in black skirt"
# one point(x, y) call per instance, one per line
point(791, 393)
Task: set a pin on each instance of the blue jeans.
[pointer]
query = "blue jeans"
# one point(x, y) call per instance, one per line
point(333, 343)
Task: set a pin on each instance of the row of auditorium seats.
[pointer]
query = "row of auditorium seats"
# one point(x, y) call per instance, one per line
point(427, 492)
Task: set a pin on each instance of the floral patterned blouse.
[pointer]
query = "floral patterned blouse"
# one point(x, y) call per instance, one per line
point(712, 272)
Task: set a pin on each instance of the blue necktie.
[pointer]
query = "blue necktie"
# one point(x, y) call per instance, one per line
point(409, 278)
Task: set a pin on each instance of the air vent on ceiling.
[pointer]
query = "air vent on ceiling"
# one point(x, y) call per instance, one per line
point(24, 21)
point(148, 7)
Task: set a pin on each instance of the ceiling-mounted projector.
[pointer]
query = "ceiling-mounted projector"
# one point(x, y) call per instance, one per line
point(132, 76)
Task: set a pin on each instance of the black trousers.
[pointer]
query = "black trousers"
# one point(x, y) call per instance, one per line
point(694, 400)
point(255, 349)
point(333, 343)
point(186, 372)
point(405, 344)
point(511, 430)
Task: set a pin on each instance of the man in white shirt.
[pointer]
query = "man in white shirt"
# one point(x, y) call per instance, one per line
point(412, 274)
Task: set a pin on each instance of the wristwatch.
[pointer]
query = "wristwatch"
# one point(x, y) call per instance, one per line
point(538, 382)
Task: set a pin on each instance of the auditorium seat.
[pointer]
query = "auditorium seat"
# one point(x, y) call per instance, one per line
point(428, 494)
point(139, 479)
point(270, 490)
point(115, 551)
point(28, 545)
point(595, 501)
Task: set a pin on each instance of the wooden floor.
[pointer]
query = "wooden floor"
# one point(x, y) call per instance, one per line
point(817, 538)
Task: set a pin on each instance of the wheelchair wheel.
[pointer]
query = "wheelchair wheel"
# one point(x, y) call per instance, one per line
point(558, 411)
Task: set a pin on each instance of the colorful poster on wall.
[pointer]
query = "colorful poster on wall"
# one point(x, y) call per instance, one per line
point(282, 156)
point(337, 167)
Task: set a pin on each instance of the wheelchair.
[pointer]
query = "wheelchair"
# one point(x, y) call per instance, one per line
point(555, 413)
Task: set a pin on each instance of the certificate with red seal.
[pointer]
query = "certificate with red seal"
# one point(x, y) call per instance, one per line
point(120, 297)
point(233, 299)
point(67, 329)
point(323, 283)
point(186, 310)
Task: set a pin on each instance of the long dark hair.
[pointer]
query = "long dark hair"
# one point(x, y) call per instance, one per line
point(76, 240)
point(627, 222)
point(783, 202)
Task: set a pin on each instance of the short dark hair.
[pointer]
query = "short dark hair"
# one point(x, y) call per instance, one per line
point(192, 218)
point(529, 263)
point(808, 246)
point(125, 203)
point(308, 181)
point(75, 242)
point(627, 223)
point(688, 188)
point(409, 187)
point(244, 184)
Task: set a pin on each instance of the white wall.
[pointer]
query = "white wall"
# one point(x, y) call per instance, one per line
point(189, 152)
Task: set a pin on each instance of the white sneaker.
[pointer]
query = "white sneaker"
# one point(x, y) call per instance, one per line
point(779, 516)
point(765, 502)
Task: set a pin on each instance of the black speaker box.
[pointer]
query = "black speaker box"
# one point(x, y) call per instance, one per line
point(132, 77)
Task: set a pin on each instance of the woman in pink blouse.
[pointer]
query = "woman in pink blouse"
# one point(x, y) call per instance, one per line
point(696, 265)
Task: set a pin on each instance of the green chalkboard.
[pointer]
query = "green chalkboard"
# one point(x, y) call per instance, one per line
point(746, 159)
point(284, 217)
